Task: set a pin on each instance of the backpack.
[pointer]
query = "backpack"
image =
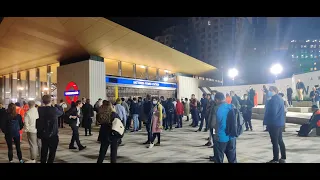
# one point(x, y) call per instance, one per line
point(198, 105)
point(66, 116)
point(117, 128)
point(304, 130)
point(14, 127)
point(235, 123)
point(46, 122)
point(59, 107)
point(171, 108)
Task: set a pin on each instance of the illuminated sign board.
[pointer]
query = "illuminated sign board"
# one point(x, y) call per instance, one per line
point(127, 81)
point(72, 92)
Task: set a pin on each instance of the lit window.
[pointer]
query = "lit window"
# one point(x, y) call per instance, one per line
point(307, 40)
point(311, 46)
point(292, 56)
point(305, 46)
point(306, 56)
point(254, 48)
point(315, 63)
point(302, 56)
point(300, 64)
point(209, 23)
point(292, 41)
point(315, 68)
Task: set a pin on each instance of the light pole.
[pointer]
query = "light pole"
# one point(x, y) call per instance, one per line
point(233, 72)
point(276, 69)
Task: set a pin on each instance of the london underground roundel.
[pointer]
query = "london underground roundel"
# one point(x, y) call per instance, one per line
point(72, 92)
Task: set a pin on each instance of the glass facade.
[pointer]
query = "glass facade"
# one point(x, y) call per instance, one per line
point(32, 84)
point(29, 84)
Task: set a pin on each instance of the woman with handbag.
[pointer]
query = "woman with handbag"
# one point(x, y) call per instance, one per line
point(156, 121)
point(106, 115)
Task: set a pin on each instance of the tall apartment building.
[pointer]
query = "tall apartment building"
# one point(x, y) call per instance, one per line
point(175, 37)
point(218, 40)
point(304, 55)
point(210, 39)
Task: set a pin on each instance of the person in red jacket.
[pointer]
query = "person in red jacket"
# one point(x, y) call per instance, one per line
point(179, 112)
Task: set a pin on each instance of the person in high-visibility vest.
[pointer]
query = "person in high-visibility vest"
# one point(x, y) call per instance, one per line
point(25, 106)
point(20, 111)
point(255, 100)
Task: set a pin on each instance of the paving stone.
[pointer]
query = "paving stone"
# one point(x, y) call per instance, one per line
point(180, 146)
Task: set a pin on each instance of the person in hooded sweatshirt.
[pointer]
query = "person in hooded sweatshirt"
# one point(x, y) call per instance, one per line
point(30, 120)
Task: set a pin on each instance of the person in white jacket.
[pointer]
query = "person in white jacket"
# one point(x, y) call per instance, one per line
point(30, 128)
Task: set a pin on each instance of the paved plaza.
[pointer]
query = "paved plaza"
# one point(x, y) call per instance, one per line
point(181, 146)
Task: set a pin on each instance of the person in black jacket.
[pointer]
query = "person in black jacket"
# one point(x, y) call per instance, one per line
point(74, 122)
point(170, 111)
point(47, 129)
point(246, 109)
point(134, 111)
point(164, 105)
point(2, 115)
point(106, 115)
point(147, 107)
point(11, 128)
point(289, 95)
point(87, 111)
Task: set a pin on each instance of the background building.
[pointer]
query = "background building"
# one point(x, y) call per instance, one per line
point(175, 37)
point(304, 55)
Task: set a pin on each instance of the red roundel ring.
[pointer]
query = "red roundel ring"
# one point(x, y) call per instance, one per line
point(72, 86)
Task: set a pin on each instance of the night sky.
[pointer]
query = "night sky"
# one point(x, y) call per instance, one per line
point(148, 26)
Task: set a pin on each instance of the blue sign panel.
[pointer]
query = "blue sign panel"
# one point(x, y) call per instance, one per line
point(72, 93)
point(136, 82)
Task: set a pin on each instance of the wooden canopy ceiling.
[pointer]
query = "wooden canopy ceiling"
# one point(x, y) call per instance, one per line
point(31, 42)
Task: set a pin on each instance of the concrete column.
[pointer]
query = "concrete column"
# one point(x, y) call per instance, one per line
point(157, 75)
point(119, 68)
point(19, 88)
point(134, 71)
point(1, 89)
point(147, 73)
point(27, 84)
point(38, 86)
point(4, 89)
point(88, 75)
point(11, 86)
point(49, 79)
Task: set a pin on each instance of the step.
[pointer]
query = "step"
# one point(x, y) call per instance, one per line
point(302, 104)
point(289, 119)
point(300, 109)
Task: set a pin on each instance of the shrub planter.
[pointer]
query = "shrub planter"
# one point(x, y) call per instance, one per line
point(302, 103)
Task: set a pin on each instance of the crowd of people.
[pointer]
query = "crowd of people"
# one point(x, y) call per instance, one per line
point(211, 114)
